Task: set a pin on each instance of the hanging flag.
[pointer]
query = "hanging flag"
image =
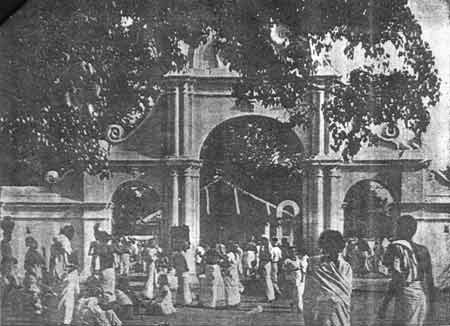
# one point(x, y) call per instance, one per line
point(208, 208)
point(268, 208)
point(236, 201)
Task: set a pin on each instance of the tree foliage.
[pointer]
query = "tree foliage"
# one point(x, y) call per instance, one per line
point(85, 64)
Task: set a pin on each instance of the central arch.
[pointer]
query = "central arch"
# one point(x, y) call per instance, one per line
point(248, 153)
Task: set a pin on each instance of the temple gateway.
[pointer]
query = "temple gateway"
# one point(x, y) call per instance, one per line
point(164, 176)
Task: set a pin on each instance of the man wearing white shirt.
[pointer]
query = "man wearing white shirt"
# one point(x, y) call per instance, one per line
point(276, 258)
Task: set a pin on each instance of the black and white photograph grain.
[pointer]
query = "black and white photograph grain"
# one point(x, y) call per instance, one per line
point(224, 162)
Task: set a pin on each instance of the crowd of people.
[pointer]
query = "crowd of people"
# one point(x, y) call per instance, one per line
point(319, 287)
point(226, 269)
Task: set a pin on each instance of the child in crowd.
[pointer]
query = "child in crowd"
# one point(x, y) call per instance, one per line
point(91, 309)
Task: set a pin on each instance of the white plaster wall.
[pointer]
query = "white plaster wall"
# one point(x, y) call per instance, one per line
point(433, 15)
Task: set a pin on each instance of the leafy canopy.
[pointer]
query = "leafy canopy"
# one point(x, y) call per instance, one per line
point(84, 64)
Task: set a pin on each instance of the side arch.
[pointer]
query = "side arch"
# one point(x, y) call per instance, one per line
point(367, 213)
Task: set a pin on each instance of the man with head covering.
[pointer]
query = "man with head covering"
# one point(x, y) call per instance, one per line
point(412, 278)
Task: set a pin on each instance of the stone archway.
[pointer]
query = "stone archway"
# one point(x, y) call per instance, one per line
point(136, 210)
point(367, 211)
point(227, 153)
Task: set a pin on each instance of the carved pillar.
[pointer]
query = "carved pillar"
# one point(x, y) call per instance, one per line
point(336, 201)
point(306, 213)
point(176, 122)
point(318, 212)
point(174, 198)
point(321, 133)
point(187, 120)
point(191, 202)
point(190, 208)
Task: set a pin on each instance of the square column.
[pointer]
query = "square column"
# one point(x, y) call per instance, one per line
point(317, 208)
point(190, 212)
point(336, 200)
point(174, 198)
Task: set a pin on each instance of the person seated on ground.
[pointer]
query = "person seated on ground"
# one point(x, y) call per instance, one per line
point(163, 303)
point(124, 299)
point(91, 309)
point(12, 285)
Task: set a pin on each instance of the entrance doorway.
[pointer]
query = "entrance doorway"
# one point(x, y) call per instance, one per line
point(244, 160)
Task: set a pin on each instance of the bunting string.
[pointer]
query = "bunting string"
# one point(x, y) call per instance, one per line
point(235, 188)
point(236, 201)
point(208, 209)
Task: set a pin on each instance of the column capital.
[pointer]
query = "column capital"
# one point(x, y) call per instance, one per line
point(318, 172)
point(334, 172)
point(136, 172)
point(182, 162)
point(174, 172)
point(192, 171)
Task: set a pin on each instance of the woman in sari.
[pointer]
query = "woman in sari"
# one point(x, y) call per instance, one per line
point(212, 294)
point(65, 277)
point(328, 285)
point(412, 278)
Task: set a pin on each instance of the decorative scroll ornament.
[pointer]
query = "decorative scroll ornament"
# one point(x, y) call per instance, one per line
point(390, 131)
point(53, 177)
point(287, 203)
point(115, 133)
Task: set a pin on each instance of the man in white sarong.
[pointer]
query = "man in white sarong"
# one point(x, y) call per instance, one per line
point(276, 258)
point(231, 279)
point(412, 278)
point(151, 255)
point(65, 278)
point(294, 268)
point(265, 263)
point(212, 288)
